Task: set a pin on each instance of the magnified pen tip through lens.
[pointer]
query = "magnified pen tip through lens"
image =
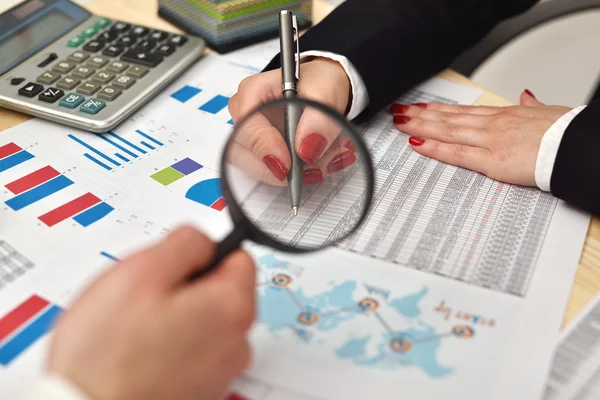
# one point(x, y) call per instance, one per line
point(295, 209)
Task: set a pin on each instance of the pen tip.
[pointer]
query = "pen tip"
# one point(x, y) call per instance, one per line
point(295, 209)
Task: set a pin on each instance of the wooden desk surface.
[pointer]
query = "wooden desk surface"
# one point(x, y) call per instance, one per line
point(587, 281)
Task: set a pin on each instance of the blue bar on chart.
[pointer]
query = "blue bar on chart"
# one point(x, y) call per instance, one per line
point(37, 193)
point(150, 138)
point(230, 122)
point(121, 157)
point(93, 214)
point(148, 145)
point(185, 93)
point(127, 142)
point(14, 160)
point(93, 149)
point(118, 146)
point(109, 256)
point(94, 159)
point(41, 325)
point(215, 104)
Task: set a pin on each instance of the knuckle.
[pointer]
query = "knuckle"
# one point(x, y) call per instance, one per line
point(451, 131)
point(459, 153)
point(187, 233)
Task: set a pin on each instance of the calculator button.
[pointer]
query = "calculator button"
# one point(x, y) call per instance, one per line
point(137, 71)
point(124, 81)
point(113, 50)
point(117, 66)
point(103, 23)
point(94, 46)
point(103, 77)
point(31, 90)
point(109, 93)
point(78, 56)
point(72, 100)
point(121, 27)
point(142, 57)
point(178, 40)
point(108, 36)
point(50, 95)
point(126, 40)
point(159, 36)
point(139, 31)
point(165, 50)
point(98, 62)
point(88, 88)
point(63, 67)
point(48, 77)
point(68, 82)
point(84, 72)
point(17, 81)
point(92, 106)
point(145, 45)
point(76, 41)
point(89, 32)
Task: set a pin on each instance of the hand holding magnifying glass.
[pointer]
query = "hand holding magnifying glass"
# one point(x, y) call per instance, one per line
point(329, 211)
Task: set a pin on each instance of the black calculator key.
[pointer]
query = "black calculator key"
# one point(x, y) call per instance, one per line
point(79, 56)
point(159, 36)
point(148, 44)
point(142, 57)
point(165, 50)
point(50, 95)
point(120, 27)
point(108, 36)
point(178, 40)
point(126, 40)
point(113, 50)
point(94, 46)
point(139, 31)
point(31, 89)
point(17, 81)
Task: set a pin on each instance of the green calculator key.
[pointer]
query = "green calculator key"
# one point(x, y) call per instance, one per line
point(89, 32)
point(92, 106)
point(72, 100)
point(103, 23)
point(76, 41)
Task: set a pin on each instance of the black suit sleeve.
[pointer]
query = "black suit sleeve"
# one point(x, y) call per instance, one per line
point(577, 164)
point(396, 44)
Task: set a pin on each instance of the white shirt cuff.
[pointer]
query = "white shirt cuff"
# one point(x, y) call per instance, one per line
point(52, 387)
point(549, 148)
point(360, 97)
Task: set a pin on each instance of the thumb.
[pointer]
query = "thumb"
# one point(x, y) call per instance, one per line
point(528, 99)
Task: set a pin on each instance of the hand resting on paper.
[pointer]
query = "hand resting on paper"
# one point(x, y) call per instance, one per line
point(141, 331)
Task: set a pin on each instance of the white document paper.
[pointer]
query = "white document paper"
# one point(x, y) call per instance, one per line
point(575, 372)
point(460, 295)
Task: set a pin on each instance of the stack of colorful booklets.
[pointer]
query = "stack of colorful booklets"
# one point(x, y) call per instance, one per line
point(228, 25)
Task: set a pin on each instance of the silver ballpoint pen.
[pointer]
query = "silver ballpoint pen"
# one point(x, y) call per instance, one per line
point(290, 67)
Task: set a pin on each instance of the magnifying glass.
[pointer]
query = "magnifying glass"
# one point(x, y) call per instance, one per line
point(334, 193)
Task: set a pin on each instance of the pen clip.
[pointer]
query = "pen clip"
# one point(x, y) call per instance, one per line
point(297, 39)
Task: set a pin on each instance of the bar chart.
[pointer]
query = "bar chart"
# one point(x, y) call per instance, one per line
point(43, 183)
point(120, 151)
point(176, 171)
point(214, 105)
point(24, 325)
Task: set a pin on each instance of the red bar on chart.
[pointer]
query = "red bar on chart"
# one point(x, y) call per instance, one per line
point(70, 209)
point(235, 396)
point(9, 149)
point(219, 205)
point(32, 180)
point(18, 316)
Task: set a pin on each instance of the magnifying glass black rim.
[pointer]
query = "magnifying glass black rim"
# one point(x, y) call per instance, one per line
point(241, 221)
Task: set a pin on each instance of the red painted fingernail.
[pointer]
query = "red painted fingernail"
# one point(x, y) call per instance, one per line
point(529, 93)
point(401, 119)
point(311, 148)
point(276, 167)
point(340, 162)
point(416, 141)
point(399, 109)
point(351, 147)
point(312, 176)
point(422, 105)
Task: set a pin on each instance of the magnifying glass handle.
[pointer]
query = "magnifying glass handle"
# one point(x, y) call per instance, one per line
point(228, 245)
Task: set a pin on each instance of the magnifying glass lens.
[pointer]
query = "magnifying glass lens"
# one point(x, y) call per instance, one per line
point(298, 174)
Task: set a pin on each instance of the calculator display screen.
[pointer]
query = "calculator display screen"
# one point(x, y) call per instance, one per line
point(27, 30)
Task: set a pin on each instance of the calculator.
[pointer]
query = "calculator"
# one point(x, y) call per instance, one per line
point(62, 63)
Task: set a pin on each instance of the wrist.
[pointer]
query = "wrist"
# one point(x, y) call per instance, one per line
point(342, 81)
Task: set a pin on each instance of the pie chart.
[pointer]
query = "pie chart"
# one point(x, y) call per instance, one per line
point(207, 193)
